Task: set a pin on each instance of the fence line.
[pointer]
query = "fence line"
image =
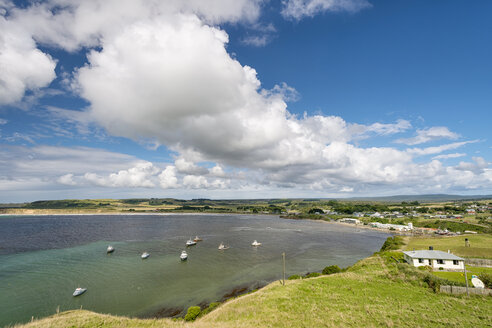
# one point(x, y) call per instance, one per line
point(456, 290)
point(479, 262)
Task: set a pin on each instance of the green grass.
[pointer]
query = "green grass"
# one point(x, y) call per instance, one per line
point(480, 245)
point(372, 293)
point(460, 276)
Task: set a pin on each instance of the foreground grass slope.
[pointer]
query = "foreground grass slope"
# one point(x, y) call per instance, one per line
point(372, 293)
point(480, 245)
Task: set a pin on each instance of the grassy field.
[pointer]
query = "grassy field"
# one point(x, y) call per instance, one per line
point(372, 293)
point(480, 245)
point(460, 276)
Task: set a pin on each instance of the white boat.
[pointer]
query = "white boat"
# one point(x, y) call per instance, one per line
point(477, 283)
point(183, 256)
point(110, 249)
point(145, 255)
point(223, 247)
point(79, 291)
point(197, 239)
point(190, 242)
point(255, 243)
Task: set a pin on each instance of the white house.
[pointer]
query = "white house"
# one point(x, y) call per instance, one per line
point(434, 259)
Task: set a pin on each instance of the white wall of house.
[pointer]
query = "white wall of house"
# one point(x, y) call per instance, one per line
point(446, 264)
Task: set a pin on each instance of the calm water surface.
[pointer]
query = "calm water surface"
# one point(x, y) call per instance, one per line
point(44, 258)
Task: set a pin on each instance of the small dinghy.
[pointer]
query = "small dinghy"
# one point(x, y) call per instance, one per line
point(476, 282)
point(197, 239)
point(183, 256)
point(255, 243)
point(79, 291)
point(144, 255)
point(110, 249)
point(223, 247)
point(190, 242)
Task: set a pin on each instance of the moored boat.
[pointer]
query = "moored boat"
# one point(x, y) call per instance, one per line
point(183, 256)
point(79, 291)
point(197, 239)
point(110, 249)
point(223, 247)
point(190, 242)
point(255, 243)
point(144, 255)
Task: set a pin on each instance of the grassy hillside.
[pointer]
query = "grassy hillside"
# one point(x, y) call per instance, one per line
point(480, 245)
point(372, 293)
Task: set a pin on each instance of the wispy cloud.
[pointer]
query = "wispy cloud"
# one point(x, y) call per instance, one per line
point(256, 40)
point(446, 156)
point(298, 9)
point(429, 134)
point(438, 149)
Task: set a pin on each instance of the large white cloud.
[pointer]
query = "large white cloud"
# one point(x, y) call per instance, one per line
point(160, 71)
point(23, 67)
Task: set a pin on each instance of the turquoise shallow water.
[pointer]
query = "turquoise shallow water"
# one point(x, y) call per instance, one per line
point(43, 259)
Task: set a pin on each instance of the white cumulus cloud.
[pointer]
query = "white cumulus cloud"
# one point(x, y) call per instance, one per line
point(138, 176)
point(22, 65)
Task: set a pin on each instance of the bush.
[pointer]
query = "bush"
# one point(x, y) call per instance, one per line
point(193, 312)
point(294, 277)
point(313, 274)
point(331, 269)
point(425, 268)
point(392, 243)
point(486, 279)
point(212, 306)
point(433, 282)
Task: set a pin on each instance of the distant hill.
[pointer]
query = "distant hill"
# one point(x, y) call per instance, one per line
point(420, 198)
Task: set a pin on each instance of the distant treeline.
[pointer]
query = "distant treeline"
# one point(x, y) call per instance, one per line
point(60, 204)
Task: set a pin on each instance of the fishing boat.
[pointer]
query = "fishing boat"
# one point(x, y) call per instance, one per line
point(223, 247)
point(144, 255)
point(190, 242)
point(110, 249)
point(79, 291)
point(255, 243)
point(197, 239)
point(183, 256)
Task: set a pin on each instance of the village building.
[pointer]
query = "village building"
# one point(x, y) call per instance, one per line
point(350, 220)
point(435, 259)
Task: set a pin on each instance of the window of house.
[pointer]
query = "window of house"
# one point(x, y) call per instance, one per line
point(440, 261)
point(421, 260)
point(455, 262)
point(430, 262)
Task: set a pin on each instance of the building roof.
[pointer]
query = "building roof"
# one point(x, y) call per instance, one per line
point(427, 254)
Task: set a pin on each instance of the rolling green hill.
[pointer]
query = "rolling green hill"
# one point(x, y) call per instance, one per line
point(375, 292)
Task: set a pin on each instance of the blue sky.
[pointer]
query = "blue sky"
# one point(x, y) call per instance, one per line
point(244, 99)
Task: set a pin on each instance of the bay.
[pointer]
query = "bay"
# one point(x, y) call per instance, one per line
point(44, 258)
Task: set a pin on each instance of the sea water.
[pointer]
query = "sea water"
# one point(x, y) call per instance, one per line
point(44, 258)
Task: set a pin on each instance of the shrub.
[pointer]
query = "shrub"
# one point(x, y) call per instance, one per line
point(486, 279)
point(433, 282)
point(313, 274)
point(193, 312)
point(331, 269)
point(392, 243)
point(212, 306)
point(294, 276)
